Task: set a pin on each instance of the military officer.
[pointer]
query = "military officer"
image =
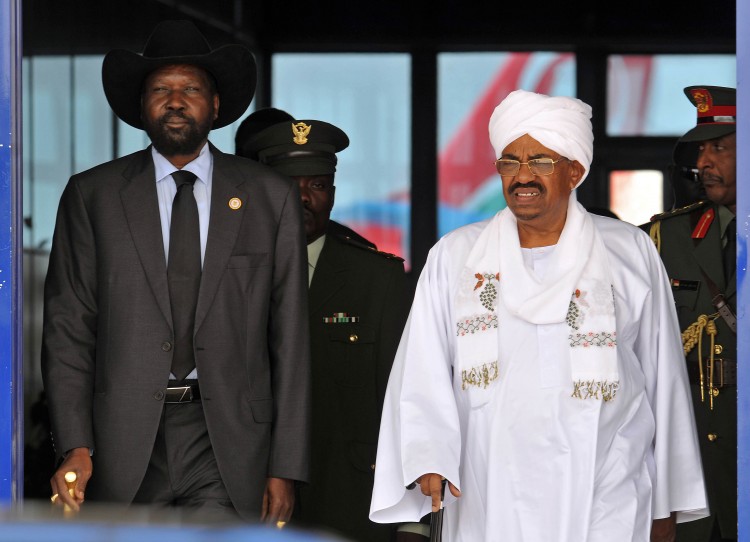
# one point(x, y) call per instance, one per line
point(357, 309)
point(260, 120)
point(697, 246)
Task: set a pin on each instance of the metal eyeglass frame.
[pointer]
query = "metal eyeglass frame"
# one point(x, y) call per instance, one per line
point(534, 162)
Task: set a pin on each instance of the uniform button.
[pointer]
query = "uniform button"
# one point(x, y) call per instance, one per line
point(353, 338)
point(715, 392)
point(159, 395)
point(166, 346)
point(712, 436)
point(718, 349)
point(372, 466)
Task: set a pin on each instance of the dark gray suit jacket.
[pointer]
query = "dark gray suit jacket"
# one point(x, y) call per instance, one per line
point(108, 328)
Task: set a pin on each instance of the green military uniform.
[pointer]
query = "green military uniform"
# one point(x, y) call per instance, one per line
point(358, 304)
point(690, 243)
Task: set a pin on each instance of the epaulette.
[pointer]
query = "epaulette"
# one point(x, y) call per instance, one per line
point(680, 210)
point(654, 230)
point(355, 243)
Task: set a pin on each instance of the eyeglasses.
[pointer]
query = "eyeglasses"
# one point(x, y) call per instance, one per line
point(537, 166)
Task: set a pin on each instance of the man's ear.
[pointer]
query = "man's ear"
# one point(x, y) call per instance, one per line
point(216, 106)
point(576, 173)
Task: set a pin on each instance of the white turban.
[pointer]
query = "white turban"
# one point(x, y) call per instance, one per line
point(559, 123)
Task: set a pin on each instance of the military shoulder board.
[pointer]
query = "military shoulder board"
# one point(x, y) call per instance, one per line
point(680, 210)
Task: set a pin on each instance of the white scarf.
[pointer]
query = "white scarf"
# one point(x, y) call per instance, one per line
point(577, 288)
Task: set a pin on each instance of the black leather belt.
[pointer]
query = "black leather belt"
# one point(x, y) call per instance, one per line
point(186, 391)
point(725, 372)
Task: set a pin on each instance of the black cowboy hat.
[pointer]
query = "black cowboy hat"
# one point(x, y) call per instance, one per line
point(179, 42)
point(717, 116)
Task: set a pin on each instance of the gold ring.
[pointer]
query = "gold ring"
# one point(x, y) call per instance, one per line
point(53, 498)
point(280, 524)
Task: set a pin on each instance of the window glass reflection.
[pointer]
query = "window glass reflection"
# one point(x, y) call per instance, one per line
point(367, 96)
point(635, 196)
point(645, 92)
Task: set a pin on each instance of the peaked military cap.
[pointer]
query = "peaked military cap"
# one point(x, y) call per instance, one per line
point(301, 147)
point(716, 109)
point(254, 123)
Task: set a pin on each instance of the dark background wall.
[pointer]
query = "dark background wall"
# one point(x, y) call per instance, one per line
point(93, 26)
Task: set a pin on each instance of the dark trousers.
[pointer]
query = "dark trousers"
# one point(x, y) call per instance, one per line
point(716, 535)
point(182, 471)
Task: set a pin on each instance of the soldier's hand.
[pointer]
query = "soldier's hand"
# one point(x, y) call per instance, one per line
point(665, 529)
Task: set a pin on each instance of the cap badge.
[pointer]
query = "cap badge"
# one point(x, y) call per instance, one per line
point(702, 100)
point(235, 203)
point(300, 131)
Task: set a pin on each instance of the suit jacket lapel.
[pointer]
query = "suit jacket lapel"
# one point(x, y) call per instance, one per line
point(331, 274)
point(141, 205)
point(224, 226)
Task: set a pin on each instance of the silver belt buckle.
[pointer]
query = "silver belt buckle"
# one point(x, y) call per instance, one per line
point(181, 394)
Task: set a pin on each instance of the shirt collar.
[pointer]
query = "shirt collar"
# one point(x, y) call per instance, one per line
point(314, 249)
point(201, 165)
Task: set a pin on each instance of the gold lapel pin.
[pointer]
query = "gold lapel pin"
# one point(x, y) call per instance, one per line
point(235, 203)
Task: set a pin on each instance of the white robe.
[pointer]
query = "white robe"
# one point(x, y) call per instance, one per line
point(533, 463)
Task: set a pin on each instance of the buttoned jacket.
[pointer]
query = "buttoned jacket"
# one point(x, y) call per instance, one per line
point(107, 341)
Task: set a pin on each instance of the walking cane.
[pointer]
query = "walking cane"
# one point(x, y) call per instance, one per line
point(436, 518)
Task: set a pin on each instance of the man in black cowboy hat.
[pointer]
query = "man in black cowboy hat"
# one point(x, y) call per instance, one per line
point(358, 305)
point(175, 349)
point(697, 246)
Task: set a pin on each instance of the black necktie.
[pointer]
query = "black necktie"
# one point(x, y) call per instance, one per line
point(184, 271)
point(730, 250)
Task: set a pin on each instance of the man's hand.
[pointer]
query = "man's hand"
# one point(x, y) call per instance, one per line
point(78, 461)
point(665, 529)
point(430, 484)
point(278, 500)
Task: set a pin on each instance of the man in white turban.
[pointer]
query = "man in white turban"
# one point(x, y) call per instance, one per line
point(541, 370)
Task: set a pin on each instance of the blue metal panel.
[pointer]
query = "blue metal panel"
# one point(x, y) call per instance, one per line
point(41, 528)
point(11, 381)
point(743, 288)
